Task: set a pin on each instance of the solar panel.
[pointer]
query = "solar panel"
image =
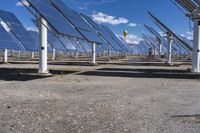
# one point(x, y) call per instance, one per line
point(67, 43)
point(6, 42)
point(77, 45)
point(19, 30)
point(86, 45)
point(77, 21)
point(57, 21)
point(103, 33)
point(124, 43)
point(115, 38)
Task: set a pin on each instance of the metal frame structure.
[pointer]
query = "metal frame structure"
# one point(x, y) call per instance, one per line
point(170, 37)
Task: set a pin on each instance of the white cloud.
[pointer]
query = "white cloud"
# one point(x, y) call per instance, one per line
point(24, 2)
point(189, 35)
point(84, 5)
point(105, 18)
point(132, 24)
point(133, 39)
point(32, 29)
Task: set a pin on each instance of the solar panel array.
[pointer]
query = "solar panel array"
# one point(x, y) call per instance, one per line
point(67, 30)
point(77, 21)
point(56, 20)
point(19, 30)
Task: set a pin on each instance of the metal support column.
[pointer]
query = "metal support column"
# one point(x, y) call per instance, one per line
point(43, 68)
point(94, 53)
point(76, 55)
point(5, 56)
point(196, 47)
point(32, 55)
point(54, 54)
point(170, 41)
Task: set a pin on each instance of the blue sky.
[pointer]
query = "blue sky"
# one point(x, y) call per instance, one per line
point(120, 13)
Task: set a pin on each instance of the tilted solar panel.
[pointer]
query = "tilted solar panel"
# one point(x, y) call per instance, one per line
point(86, 45)
point(166, 29)
point(74, 17)
point(77, 21)
point(6, 42)
point(103, 33)
point(19, 30)
point(124, 43)
point(77, 45)
point(67, 43)
point(115, 38)
point(56, 20)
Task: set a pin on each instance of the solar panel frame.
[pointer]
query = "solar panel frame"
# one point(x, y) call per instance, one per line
point(166, 29)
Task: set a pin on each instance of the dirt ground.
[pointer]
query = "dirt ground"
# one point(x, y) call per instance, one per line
point(120, 96)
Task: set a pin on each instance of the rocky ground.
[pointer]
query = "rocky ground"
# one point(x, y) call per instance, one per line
point(121, 96)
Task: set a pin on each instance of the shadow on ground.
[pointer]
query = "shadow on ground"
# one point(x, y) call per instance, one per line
point(143, 73)
point(144, 64)
point(16, 74)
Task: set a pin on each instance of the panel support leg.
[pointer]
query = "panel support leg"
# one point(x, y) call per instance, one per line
point(43, 68)
point(160, 49)
point(5, 56)
point(19, 54)
point(76, 55)
point(170, 41)
point(54, 54)
point(32, 55)
point(94, 53)
point(109, 54)
point(196, 47)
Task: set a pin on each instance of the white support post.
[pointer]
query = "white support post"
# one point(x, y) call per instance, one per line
point(43, 68)
point(109, 54)
point(5, 56)
point(154, 51)
point(94, 53)
point(54, 54)
point(196, 47)
point(19, 54)
point(170, 41)
point(160, 49)
point(117, 55)
point(32, 55)
point(76, 55)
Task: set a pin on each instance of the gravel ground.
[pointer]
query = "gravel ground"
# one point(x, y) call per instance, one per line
point(110, 98)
